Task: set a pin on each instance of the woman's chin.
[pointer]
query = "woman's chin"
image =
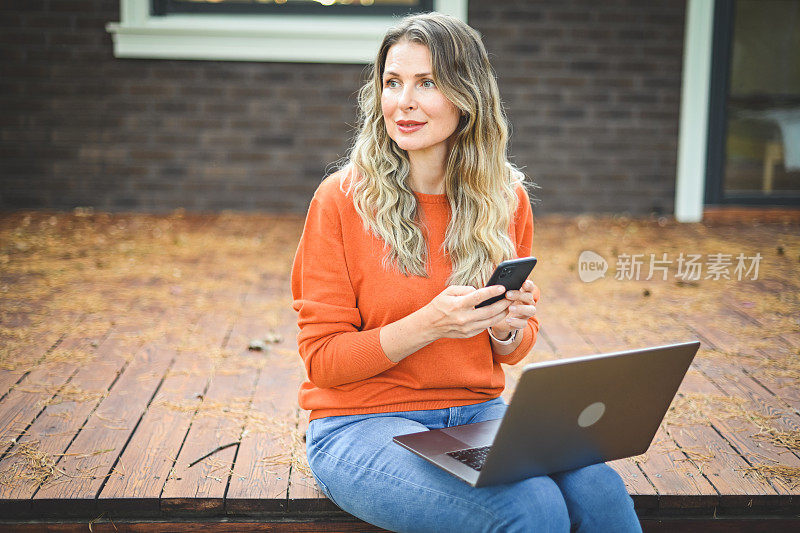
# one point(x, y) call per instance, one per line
point(411, 146)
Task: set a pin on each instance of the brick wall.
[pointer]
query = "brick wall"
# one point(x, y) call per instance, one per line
point(592, 90)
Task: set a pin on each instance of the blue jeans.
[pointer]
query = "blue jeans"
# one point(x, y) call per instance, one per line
point(359, 467)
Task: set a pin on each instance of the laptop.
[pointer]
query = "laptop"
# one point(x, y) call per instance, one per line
point(564, 414)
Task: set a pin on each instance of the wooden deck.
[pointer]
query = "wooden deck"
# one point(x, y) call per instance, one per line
point(108, 411)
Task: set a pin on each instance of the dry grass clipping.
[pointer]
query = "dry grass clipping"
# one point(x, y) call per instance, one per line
point(68, 393)
point(74, 356)
point(239, 413)
point(236, 413)
point(691, 408)
point(786, 439)
point(29, 464)
point(699, 457)
point(639, 459)
point(56, 269)
point(294, 456)
point(78, 273)
point(788, 368)
point(790, 475)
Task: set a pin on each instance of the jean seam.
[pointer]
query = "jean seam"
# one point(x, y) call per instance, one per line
point(428, 489)
point(322, 486)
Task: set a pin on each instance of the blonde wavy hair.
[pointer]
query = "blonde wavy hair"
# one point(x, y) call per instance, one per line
point(480, 183)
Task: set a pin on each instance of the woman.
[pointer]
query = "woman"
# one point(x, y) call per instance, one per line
point(395, 252)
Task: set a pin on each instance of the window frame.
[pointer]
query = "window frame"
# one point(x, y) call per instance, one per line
point(715, 194)
point(215, 7)
point(290, 38)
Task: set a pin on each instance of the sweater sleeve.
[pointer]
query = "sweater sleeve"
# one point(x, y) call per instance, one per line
point(523, 222)
point(331, 342)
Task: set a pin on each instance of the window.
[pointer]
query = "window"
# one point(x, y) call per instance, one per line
point(754, 129)
point(311, 36)
point(305, 7)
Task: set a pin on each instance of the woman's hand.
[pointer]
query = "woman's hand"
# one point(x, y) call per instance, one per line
point(452, 313)
point(521, 308)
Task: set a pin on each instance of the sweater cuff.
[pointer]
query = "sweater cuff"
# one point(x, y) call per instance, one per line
point(519, 353)
point(368, 354)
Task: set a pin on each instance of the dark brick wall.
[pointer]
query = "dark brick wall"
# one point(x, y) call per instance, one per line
point(592, 90)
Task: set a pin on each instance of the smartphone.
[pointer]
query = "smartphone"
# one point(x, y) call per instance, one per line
point(511, 274)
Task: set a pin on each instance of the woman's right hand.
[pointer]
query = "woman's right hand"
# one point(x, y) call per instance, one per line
point(452, 313)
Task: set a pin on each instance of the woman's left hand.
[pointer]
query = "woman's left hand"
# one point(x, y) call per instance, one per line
point(523, 307)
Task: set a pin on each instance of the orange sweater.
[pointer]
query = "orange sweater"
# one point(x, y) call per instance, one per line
point(344, 296)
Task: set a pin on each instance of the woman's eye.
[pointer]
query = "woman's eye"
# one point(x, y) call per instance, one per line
point(391, 83)
point(428, 84)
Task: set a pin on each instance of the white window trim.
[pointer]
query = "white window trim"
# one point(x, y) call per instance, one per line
point(690, 183)
point(297, 38)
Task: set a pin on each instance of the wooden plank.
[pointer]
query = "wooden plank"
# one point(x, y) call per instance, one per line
point(763, 524)
point(643, 492)
point(720, 374)
point(279, 478)
point(65, 414)
point(680, 484)
point(717, 459)
point(13, 367)
point(303, 493)
point(565, 339)
point(103, 525)
point(260, 482)
point(741, 431)
point(723, 376)
point(722, 332)
point(737, 382)
point(23, 403)
point(113, 423)
point(773, 369)
point(198, 488)
point(149, 455)
point(733, 368)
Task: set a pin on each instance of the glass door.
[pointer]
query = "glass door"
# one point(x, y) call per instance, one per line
point(754, 124)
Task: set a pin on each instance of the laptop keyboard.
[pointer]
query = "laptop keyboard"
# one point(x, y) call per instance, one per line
point(472, 457)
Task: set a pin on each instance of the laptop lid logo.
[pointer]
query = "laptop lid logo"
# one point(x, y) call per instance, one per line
point(591, 414)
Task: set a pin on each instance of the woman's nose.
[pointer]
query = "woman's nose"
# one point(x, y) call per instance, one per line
point(407, 98)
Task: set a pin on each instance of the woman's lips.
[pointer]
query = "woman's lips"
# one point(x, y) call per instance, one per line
point(409, 128)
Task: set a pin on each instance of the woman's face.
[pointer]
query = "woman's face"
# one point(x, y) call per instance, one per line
point(418, 117)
